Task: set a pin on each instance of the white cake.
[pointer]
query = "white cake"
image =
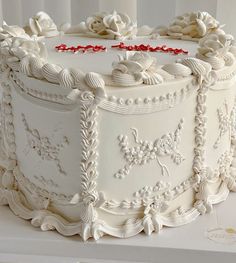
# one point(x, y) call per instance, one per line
point(93, 144)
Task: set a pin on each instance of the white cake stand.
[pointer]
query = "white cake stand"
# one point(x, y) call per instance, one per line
point(21, 242)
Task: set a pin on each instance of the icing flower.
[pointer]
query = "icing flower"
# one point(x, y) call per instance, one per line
point(19, 47)
point(42, 25)
point(194, 25)
point(95, 24)
point(215, 45)
point(114, 25)
point(136, 67)
point(215, 49)
point(7, 31)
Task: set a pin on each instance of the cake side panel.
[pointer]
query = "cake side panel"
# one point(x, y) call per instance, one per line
point(148, 156)
point(221, 106)
point(220, 113)
point(48, 150)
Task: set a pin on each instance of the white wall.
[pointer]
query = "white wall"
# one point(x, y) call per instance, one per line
point(80, 9)
point(155, 12)
point(123, 6)
point(184, 6)
point(151, 12)
point(12, 11)
point(226, 14)
point(1, 15)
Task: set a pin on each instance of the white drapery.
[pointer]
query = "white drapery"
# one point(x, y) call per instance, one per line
point(151, 12)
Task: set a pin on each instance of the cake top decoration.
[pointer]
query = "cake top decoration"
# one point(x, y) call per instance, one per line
point(7, 31)
point(194, 25)
point(23, 50)
point(107, 25)
point(15, 44)
point(215, 49)
point(42, 25)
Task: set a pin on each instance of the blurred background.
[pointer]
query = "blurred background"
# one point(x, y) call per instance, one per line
point(151, 12)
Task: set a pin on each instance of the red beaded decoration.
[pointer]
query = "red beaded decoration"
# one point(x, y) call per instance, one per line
point(142, 47)
point(83, 49)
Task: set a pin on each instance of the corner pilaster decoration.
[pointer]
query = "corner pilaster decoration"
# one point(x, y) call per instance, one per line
point(89, 199)
point(206, 77)
point(7, 141)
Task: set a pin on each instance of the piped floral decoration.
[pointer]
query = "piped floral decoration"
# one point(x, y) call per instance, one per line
point(42, 25)
point(112, 26)
point(7, 31)
point(215, 49)
point(194, 25)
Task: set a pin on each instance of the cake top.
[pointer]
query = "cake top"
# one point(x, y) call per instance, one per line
point(61, 51)
point(108, 49)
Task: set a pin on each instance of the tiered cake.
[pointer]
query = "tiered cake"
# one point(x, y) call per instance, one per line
point(116, 142)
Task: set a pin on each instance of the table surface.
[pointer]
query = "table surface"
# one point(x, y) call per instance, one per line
point(21, 242)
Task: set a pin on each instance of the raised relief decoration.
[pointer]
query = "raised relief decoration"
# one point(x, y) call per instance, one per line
point(146, 151)
point(147, 191)
point(225, 118)
point(43, 146)
point(45, 182)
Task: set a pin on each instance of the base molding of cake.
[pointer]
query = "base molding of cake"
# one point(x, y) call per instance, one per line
point(48, 220)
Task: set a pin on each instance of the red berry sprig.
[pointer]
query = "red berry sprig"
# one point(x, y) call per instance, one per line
point(142, 47)
point(82, 49)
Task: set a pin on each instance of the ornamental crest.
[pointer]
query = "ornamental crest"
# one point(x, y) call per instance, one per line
point(146, 151)
point(43, 146)
point(226, 122)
